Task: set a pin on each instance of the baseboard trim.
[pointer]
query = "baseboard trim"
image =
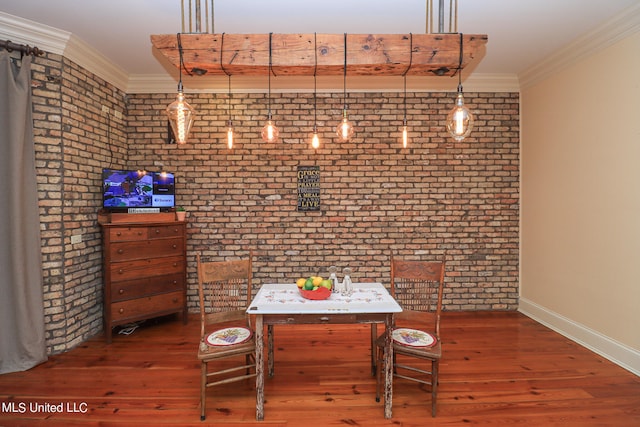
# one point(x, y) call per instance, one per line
point(618, 353)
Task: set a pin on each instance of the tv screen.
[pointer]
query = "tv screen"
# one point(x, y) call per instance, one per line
point(127, 189)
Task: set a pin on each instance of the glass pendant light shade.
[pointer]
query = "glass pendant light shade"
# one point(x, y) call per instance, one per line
point(181, 116)
point(229, 135)
point(270, 132)
point(345, 129)
point(315, 139)
point(405, 136)
point(459, 120)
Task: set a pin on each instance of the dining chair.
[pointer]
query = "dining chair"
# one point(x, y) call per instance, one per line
point(224, 288)
point(417, 286)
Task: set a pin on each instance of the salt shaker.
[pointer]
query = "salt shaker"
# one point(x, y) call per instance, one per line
point(347, 284)
point(334, 279)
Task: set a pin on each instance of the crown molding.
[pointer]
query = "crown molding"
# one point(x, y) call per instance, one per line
point(93, 61)
point(617, 28)
point(24, 31)
point(53, 40)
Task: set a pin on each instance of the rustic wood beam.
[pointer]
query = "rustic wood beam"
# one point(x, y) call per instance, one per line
point(295, 54)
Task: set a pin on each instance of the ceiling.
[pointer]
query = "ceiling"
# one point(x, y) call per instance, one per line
point(521, 32)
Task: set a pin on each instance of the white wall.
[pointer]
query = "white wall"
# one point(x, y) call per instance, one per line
point(580, 212)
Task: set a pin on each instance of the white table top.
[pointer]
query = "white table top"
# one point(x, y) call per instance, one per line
point(285, 298)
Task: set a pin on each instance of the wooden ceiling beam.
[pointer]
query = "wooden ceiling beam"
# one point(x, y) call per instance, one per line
point(295, 54)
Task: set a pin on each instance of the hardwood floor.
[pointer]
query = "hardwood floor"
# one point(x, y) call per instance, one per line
point(499, 368)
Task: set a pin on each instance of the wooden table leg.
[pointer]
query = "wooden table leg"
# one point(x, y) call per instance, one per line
point(388, 368)
point(259, 369)
point(374, 336)
point(270, 356)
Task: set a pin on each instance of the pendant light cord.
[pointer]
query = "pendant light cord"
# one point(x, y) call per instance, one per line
point(344, 75)
point(269, 78)
point(315, 87)
point(228, 75)
point(404, 76)
point(460, 63)
point(181, 65)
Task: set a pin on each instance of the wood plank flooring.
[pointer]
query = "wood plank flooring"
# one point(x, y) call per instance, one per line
point(499, 368)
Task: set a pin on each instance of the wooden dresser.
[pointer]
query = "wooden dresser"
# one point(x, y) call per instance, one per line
point(144, 270)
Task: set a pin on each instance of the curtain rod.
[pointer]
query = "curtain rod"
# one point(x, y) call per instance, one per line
point(22, 48)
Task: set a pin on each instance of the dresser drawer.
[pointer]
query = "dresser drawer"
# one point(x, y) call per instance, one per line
point(129, 289)
point(162, 231)
point(128, 234)
point(123, 251)
point(122, 234)
point(138, 269)
point(151, 306)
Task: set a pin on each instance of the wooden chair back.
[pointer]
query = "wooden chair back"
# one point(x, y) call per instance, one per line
point(224, 289)
point(418, 288)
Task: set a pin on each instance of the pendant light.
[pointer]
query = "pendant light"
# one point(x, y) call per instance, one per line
point(180, 113)
point(270, 132)
point(345, 129)
point(460, 119)
point(405, 136)
point(229, 121)
point(315, 139)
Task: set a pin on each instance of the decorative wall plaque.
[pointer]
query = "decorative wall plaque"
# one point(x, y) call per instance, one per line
point(308, 188)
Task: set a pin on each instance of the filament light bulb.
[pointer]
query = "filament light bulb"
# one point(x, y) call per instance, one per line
point(345, 129)
point(315, 140)
point(459, 120)
point(230, 135)
point(405, 137)
point(270, 132)
point(181, 117)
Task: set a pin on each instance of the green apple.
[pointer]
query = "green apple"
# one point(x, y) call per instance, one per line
point(326, 284)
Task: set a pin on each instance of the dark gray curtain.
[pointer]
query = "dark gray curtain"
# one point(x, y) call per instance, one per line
point(22, 344)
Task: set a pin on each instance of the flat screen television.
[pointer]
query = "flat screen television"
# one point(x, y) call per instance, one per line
point(127, 190)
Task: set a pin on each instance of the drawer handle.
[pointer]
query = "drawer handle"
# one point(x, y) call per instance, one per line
point(121, 291)
point(120, 251)
point(175, 300)
point(139, 233)
point(118, 234)
point(157, 231)
point(175, 264)
point(290, 320)
point(175, 246)
point(120, 271)
point(324, 319)
point(121, 311)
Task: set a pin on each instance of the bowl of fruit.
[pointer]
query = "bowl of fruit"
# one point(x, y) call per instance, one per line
point(314, 287)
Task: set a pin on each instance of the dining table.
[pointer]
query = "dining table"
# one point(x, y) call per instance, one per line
point(283, 304)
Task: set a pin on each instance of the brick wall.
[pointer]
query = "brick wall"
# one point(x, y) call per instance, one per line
point(74, 140)
point(436, 197)
point(377, 199)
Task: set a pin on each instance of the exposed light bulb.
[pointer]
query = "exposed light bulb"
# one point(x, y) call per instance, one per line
point(405, 137)
point(270, 132)
point(230, 135)
point(459, 120)
point(315, 140)
point(345, 129)
point(181, 117)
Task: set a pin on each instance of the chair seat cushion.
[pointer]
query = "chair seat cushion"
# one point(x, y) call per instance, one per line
point(413, 337)
point(228, 336)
